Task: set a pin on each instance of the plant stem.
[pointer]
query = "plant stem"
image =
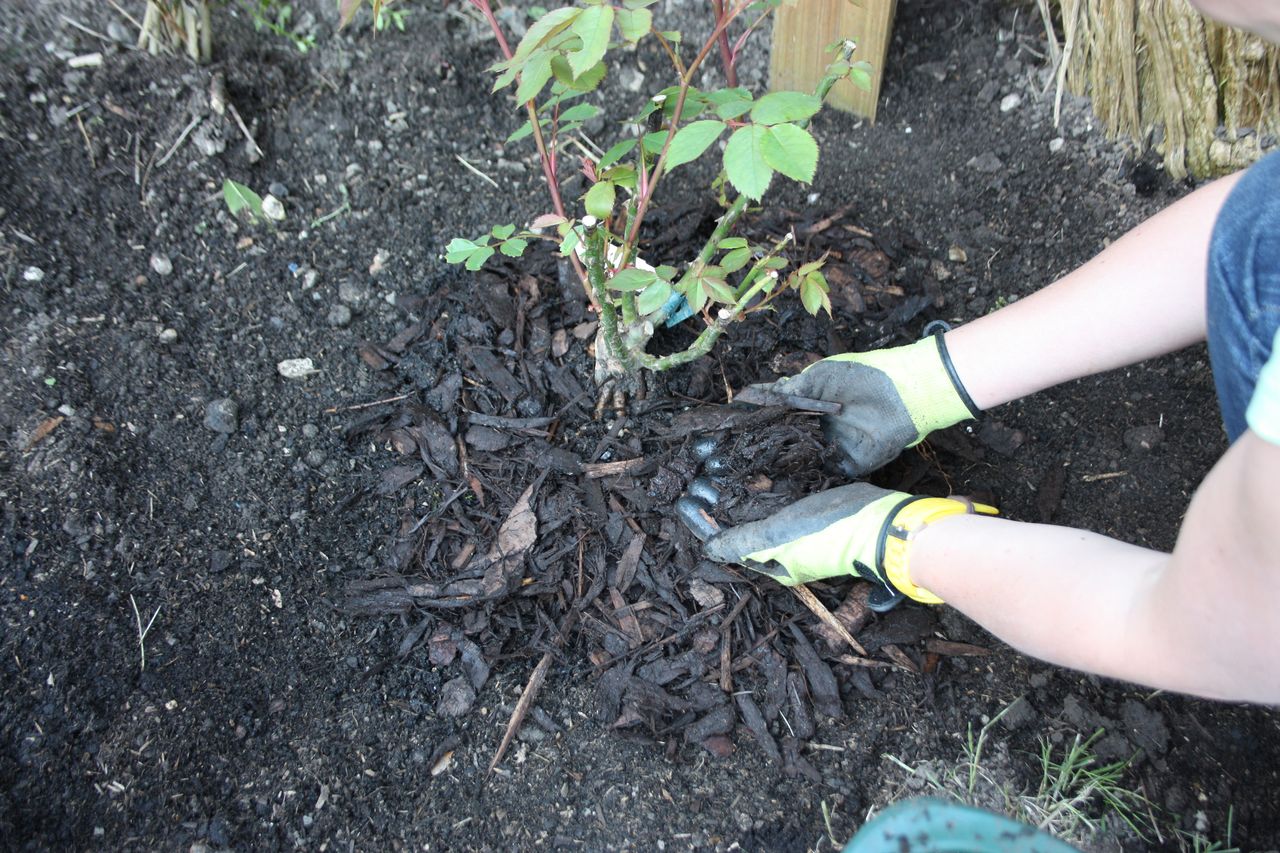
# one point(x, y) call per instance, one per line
point(727, 59)
point(595, 253)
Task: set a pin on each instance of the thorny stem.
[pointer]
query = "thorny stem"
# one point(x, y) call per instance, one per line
point(544, 156)
point(686, 80)
point(728, 58)
point(595, 252)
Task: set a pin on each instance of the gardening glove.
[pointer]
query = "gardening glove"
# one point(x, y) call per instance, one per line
point(891, 398)
point(858, 529)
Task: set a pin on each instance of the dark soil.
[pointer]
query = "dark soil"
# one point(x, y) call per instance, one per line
point(311, 677)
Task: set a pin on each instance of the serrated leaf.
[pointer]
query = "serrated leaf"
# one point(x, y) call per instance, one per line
point(653, 142)
point(569, 242)
point(616, 153)
point(792, 151)
point(599, 199)
point(580, 112)
point(634, 24)
point(593, 26)
point(632, 278)
point(696, 296)
point(521, 132)
point(240, 198)
point(555, 21)
point(744, 161)
point(735, 260)
point(514, 247)
point(719, 290)
point(693, 139)
point(653, 297)
point(459, 250)
point(813, 293)
point(477, 258)
point(347, 10)
point(502, 232)
point(666, 272)
point(536, 73)
point(547, 220)
point(779, 107)
point(577, 83)
point(860, 78)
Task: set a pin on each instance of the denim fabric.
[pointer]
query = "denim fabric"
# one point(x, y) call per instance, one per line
point(1244, 289)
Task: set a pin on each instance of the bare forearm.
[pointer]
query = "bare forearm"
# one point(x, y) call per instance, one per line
point(1142, 297)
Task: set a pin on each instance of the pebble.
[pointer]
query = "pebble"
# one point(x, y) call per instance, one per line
point(160, 264)
point(339, 316)
point(33, 274)
point(1143, 438)
point(222, 416)
point(278, 189)
point(352, 293)
point(1056, 144)
point(310, 430)
point(986, 162)
point(1010, 102)
point(169, 336)
point(117, 31)
point(296, 368)
point(314, 458)
point(273, 208)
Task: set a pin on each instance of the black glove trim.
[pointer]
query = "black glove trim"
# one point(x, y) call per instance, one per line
point(886, 530)
point(954, 377)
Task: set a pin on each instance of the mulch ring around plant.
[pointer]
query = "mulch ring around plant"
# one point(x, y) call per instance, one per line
point(528, 528)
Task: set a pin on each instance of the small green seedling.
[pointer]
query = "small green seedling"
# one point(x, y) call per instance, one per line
point(242, 202)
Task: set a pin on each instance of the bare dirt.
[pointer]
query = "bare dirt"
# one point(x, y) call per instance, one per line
point(273, 709)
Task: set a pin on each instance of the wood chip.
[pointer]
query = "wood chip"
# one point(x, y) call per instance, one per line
point(596, 470)
point(42, 432)
point(954, 649)
point(900, 658)
point(820, 610)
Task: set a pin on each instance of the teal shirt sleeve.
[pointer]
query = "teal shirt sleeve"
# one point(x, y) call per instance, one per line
point(1263, 414)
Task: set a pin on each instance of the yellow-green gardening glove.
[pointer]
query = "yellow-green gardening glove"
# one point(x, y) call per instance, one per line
point(891, 398)
point(859, 530)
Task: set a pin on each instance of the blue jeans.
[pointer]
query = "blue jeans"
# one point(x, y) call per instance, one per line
point(1244, 288)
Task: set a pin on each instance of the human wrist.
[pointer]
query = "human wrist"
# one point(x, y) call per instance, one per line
point(917, 523)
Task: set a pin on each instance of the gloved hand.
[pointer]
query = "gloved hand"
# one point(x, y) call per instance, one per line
point(858, 529)
point(892, 398)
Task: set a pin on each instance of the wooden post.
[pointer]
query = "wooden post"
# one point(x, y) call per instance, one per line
point(802, 32)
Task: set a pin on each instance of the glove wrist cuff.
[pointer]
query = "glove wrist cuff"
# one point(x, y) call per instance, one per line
point(902, 525)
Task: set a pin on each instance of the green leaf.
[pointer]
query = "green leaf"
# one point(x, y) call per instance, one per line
point(634, 24)
point(813, 293)
point(637, 4)
point(347, 10)
point(514, 247)
point(616, 153)
point(569, 242)
point(632, 278)
point(502, 232)
point(730, 103)
point(521, 132)
point(744, 161)
point(459, 250)
point(580, 112)
point(555, 21)
point(477, 258)
point(536, 73)
point(792, 151)
point(593, 25)
point(696, 296)
point(732, 243)
point(240, 198)
point(653, 297)
point(779, 107)
point(693, 139)
point(599, 199)
point(584, 82)
point(665, 272)
point(861, 78)
point(735, 260)
point(719, 290)
point(672, 36)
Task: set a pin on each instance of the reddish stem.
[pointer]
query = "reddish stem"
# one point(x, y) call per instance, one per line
point(728, 58)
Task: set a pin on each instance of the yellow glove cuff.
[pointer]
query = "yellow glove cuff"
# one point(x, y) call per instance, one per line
point(913, 517)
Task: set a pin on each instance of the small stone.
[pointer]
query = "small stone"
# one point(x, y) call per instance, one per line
point(957, 254)
point(1010, 102)
point(632, 79)
point(352, 293)
point(160, 264)
point(1018, 715)
point(986, 162)
point(339, 316)
point(456, 697)
point(117, 32)
point(1144, 438)
point(988, 92)
point(208, 139)
point(33, 274)
point(314, 458)
point(310, 430)
point(1056, 144)
point(296, 368)
point(278, 189)
point(219, 562)
point(222, 416)
point(273, 208)
point(169, 336)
